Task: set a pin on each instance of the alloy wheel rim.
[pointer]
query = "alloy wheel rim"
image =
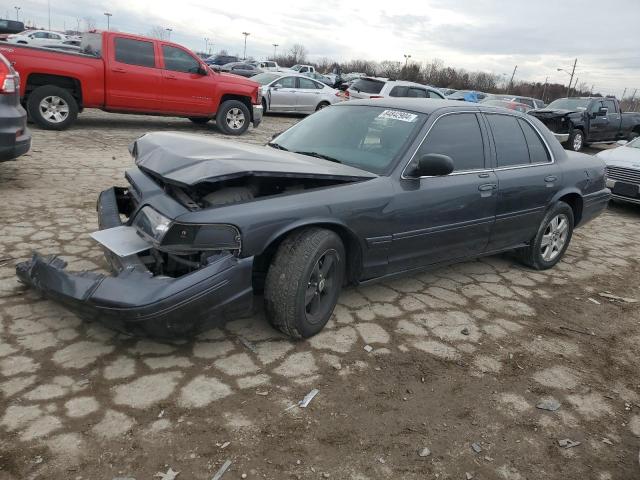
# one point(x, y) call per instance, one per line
point(235, 118)
point(54, 109)
point(321, 287)
point(554, 238)
point(577, 142)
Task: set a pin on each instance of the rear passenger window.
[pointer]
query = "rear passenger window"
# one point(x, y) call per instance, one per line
point(398, 92)
point(417, 93)
point(433, 94)
point(511, 146)
point(135, 52)
point(445, 138)
point(538, 153)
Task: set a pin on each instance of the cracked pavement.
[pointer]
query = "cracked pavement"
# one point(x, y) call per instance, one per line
point(461, 354)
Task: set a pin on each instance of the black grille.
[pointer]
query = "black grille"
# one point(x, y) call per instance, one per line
point(554, 124)
point(627, 175)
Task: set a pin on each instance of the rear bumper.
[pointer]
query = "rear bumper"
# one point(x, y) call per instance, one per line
point(594, 204)
point(256, 115)
point(134, 301)
point(15, 137)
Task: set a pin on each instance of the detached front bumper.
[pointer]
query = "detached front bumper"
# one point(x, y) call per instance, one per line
point(134, 301)
point(256, 115)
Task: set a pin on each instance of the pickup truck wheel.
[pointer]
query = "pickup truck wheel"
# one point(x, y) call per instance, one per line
point(199, 120)
point(553, 237)
point(576, 140)
point(303, 282)
point(52, 108)
point(233, 117)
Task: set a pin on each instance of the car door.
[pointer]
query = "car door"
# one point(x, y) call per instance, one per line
point(528, 179)
point(598, 122)
point(437, 219)
point(133, 80)
point(613, 128)
point(185, 89)
point(308, 95)
point(281, 96)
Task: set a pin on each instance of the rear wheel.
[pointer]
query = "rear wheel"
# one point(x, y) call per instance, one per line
point(52, 108)
point(576, 140)
point(552, 240)
point(199, 120)
point(322, 105)
point(233, 117)
point(304, 281)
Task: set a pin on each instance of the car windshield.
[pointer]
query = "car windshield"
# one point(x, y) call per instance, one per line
point(569, 104)
point(368, 85)
point(296, 67)
point(265, 78)
point(366, 137)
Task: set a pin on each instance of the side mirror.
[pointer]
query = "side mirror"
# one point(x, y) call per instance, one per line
point(602, 111)
point(202, 70)
point(622, 143)
point(433, 165)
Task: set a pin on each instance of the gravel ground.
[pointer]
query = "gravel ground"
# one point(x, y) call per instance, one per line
point(461, 357)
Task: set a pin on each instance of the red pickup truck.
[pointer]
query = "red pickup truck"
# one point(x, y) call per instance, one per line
point(119, 72)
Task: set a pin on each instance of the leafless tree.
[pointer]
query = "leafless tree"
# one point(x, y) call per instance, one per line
point(89, 23)
point(156, 32)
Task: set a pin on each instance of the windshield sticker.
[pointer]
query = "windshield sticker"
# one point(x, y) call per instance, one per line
point(399, 115)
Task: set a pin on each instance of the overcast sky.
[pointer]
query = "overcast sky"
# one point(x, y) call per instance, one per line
point(489, 35)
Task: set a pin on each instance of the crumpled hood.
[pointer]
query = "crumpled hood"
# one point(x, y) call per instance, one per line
point(187, 159)
point(551, 113)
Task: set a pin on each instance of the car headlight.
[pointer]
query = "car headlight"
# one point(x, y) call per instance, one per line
point(185, 237)
point(151, 224)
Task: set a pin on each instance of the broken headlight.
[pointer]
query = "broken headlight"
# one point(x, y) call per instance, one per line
point(151, 224)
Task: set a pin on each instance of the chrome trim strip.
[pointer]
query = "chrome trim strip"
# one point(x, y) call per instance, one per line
point(464, 172)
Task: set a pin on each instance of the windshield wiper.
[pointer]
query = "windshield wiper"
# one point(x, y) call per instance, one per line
point(278, 146)
point(319, 155)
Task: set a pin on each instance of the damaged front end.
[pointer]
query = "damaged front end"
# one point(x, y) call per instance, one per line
point(177, 285)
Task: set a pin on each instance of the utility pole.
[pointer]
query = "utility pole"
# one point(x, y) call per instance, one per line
point(275, 46)
point(246, 34)
point(571, 79)
point(623, 93)
point(544, 89)
point(511, 81)
point(575, 89)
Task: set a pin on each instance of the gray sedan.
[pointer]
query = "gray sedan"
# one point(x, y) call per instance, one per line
point(293, 93)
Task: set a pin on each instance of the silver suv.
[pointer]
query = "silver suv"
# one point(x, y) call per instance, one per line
point(374, 87)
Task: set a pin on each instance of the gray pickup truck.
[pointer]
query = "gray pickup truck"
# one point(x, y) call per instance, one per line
point(579, 121)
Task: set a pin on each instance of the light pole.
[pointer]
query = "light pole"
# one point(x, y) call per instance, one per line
point(108, 15)
point(169, 30)
point(570, 74)
point(406, 59)
point(17, 12)
point(275, 45)
point(246, 34)
point(206, 45)
point(49, 12)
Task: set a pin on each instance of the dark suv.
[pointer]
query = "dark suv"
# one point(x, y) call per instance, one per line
point(15, 138)
point(220, 60)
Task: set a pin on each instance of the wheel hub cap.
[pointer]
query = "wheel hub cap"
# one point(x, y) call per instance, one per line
point(554, 237)
point(235, 118)
point(54, 109)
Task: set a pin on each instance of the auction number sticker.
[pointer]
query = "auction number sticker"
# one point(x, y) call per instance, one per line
point(399, 115)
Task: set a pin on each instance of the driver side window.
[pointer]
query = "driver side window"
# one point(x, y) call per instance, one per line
point(178, 60)
point(459, 137)
point(286, 82)
point(596, 107)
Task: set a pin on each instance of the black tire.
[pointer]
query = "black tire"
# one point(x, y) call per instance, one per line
point(227, 196)
point(199, 120)
point(576, 140)
point(233, 126)
point(292, 279)
point(67, 107)
point(322, 105)
point(264, 105)
point(534, 255)
point(633, 136)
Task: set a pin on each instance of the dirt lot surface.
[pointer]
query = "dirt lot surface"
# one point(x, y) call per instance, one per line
point(461, 358)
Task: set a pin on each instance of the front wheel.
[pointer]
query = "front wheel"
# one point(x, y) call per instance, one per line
point(552, 240)
point(304, 281)
point(233, 117)
point(576, 140)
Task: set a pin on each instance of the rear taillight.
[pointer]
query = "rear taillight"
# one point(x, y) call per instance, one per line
point(8, 81)
point(259, 97)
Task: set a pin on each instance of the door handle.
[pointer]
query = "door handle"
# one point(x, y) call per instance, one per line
point(118, 70)
point(550, 178)
point(170, 77)
point(483, 175)
point(487, 186)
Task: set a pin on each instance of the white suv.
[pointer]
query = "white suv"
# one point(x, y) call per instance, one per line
point(374, 87)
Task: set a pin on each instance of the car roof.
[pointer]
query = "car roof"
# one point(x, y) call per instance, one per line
point(423, 105)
